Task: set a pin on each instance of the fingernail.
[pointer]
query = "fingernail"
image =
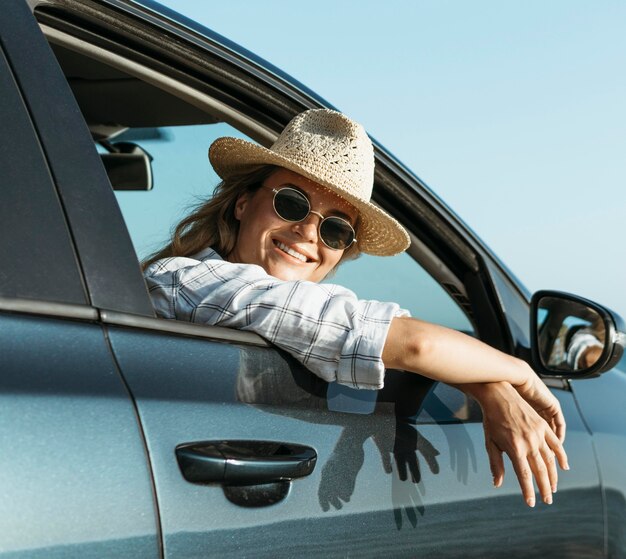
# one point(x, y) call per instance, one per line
point(530, 502)
point(554, 489)
point(566, 467)
point(547, 499)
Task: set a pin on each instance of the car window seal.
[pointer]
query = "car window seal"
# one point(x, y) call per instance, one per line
point(48, 308)
point(218, 333)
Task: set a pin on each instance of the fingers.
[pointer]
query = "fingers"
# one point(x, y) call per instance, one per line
point(559, 426)
point(414, 467)
point(531, 434)
point(539, 464)
point(496, 463)
point(402, 470)
point(548, 458)
point(556, 446)
point(540, 470)
point(555, 418)
point(525, 478)
point(429, 452)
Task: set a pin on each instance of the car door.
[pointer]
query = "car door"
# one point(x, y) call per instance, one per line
point(400, 471)
point(75, 479)
point(600, 400)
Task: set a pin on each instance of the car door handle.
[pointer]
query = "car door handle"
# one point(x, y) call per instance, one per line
point(244, 462)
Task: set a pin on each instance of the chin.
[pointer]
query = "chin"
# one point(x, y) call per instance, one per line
point(290, 274)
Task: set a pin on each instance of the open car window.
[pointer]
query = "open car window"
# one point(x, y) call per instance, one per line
point(183, 177)
point(125, 103)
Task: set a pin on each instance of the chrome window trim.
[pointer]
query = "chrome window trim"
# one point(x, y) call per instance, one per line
point(48, 308)
point(217, 333)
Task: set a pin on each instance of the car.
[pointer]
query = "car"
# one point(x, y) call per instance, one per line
point(127, 435)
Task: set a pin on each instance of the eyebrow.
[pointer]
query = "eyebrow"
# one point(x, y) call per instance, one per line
point(335, 212)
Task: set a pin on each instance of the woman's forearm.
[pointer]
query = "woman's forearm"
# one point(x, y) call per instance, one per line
point(448, 356)
point(520, 416)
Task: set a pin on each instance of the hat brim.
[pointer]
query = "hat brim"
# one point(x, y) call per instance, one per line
point(379, 233)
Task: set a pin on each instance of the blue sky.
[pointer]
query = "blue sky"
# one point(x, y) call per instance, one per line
point(513, 112)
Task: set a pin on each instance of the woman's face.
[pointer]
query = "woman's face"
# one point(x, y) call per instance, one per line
point(265, 239)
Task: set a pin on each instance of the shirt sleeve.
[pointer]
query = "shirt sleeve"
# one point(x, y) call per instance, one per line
point(580, 342)
point(324, 326)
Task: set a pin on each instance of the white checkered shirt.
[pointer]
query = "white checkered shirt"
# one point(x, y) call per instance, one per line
point(324, 326)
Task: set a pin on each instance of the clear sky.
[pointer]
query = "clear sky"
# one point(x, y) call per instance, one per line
point(513, 112)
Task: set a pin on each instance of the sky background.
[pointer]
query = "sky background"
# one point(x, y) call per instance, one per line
point(514, 112)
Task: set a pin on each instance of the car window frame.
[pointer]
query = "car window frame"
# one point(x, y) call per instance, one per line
point(397, 190)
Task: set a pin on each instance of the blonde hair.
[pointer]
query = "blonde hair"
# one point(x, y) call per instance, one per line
point(212, 223)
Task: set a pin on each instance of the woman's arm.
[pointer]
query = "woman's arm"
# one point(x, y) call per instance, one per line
point(448, 356)
point(520, 415)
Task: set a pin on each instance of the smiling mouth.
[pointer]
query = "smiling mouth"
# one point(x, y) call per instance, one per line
point(290, 251)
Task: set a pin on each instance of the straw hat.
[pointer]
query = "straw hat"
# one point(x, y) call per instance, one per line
point(332, 150)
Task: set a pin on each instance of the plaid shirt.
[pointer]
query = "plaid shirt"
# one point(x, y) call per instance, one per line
point(325, 327)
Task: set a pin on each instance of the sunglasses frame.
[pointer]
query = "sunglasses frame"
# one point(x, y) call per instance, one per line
point(276, 191)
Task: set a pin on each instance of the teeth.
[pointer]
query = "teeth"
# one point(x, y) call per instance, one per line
point(291, 252)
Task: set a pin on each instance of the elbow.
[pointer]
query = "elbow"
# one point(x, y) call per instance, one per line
point(417, 351)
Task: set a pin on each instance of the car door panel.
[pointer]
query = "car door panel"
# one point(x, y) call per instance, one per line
point(74, 475)
point(398, 471)
point(601, 402)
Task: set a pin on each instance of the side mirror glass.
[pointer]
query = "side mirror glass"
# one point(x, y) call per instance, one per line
point(574, 337)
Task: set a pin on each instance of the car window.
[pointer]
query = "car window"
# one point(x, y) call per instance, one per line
point(183, 177)
point(402, 280)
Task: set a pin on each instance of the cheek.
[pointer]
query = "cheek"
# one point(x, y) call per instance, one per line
point(331, 258)
point(252, 220)
point(255, 226)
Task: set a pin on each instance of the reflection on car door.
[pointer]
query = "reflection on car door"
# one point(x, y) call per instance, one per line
point(399, 472)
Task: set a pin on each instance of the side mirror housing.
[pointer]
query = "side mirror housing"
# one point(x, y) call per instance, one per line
point(572, 337)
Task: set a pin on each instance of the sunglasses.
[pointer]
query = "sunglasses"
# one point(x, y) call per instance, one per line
point(292, 205)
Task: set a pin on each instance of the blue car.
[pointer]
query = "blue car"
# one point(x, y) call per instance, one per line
point(126, 435)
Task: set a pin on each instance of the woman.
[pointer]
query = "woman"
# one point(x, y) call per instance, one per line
point(281, 220)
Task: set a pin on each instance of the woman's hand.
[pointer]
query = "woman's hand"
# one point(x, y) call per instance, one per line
point(512, 425)
point(537, 394)
point(520, 415)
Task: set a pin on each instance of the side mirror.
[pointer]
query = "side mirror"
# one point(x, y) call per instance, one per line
point(573, 337)
point(128, 166)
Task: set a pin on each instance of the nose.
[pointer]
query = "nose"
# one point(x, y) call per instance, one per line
point(308, 228)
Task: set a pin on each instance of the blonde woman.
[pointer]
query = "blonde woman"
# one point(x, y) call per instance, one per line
point(281, 220)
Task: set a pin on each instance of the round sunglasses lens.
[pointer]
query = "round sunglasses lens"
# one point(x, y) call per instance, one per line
point(291, 205)
point(336, 233)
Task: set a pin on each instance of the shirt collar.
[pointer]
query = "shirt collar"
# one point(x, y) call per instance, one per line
point(207, 253)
